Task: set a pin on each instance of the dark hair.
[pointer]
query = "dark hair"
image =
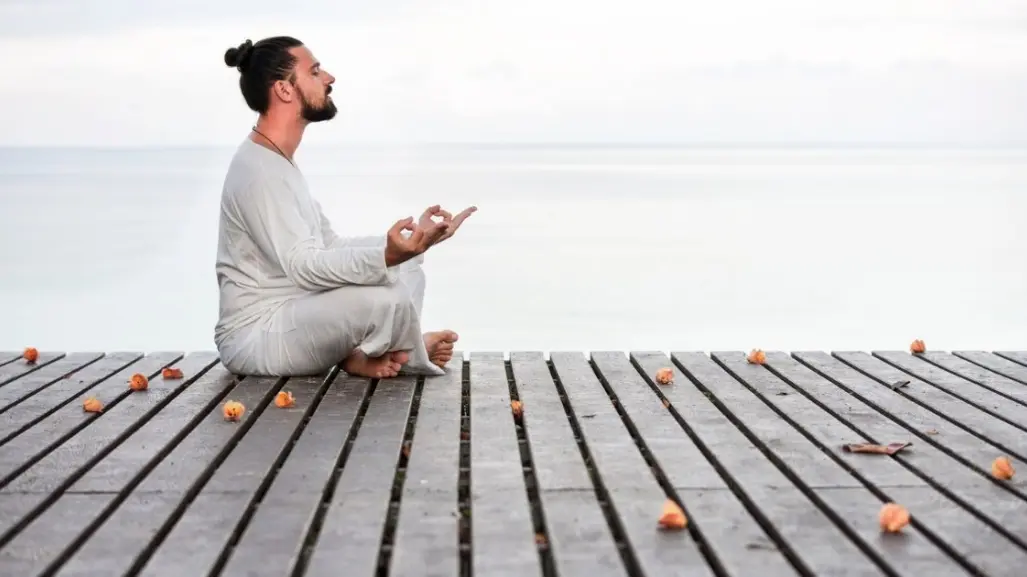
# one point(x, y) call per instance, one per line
point(261, 65)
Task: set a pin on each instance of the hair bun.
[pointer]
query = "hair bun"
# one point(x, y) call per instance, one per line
point(238, 57)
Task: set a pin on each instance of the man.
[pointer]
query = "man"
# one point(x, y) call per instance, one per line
point(295, 297)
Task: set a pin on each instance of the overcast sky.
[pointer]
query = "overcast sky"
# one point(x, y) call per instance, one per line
point(124, 72)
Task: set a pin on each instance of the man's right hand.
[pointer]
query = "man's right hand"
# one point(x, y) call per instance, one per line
point(400, 248)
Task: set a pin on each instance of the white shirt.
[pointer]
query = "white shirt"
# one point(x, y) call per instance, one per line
point(275, 244)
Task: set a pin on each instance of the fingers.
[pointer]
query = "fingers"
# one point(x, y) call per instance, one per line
point(401, 225)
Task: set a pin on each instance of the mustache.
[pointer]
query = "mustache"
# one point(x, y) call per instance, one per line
point(328, 90)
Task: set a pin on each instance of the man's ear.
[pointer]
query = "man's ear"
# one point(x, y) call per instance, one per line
point(284, 90)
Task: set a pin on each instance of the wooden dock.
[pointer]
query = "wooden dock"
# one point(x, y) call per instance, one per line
point(442, 477)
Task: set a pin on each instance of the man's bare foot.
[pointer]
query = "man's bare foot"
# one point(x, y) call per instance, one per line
point(440, 346)
point(383, 367)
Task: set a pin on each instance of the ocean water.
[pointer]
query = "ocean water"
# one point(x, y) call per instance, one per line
point(572, 248)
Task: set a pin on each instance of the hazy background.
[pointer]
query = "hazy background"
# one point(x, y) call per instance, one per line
point(649, 174)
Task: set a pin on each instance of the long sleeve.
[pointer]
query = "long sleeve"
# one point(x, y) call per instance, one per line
point(273, 214)
point(332, 239)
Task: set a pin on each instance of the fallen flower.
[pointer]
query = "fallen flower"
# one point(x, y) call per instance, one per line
point(665, 376)
point(30, 355)
point(893, 517)
point(139, 382)
point(170, 373)
point(1002, 468)
point(92, 405)
point(757, 357)
point(672, 517)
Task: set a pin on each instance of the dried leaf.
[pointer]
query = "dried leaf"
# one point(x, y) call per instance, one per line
point(931, 432)
point(898, 385)
point(889, 449)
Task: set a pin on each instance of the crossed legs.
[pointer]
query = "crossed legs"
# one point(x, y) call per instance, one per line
point(374, 331)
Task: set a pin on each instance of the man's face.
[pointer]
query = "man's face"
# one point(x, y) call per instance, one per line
point(314, 85)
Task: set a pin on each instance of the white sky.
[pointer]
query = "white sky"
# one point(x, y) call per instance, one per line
point(121, 72)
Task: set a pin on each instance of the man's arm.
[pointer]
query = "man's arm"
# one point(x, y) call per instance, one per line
point(271, 215)
point(333, 240)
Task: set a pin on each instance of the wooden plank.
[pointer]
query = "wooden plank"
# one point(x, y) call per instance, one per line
point(9, 357)
point(634, 493)
point(807, 530)
point(67, 463)
point(29, 440)
point(992, 363)
point(156, 501)
point(807, 396)
point(12, 393)
point(195, 544)
point(951, 527)
point(930, 427)
point(502, 528)
point(57, 394)
point(60, 526)
point(351, 531)
point(19, 367)
point(567, 494)
point(427, 538)
point(1005, 402)
point(272, 541)
point(1018, 357)
point(1003, 435)
point(727, 527)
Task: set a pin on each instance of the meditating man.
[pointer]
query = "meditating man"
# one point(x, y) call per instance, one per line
point(295, 297)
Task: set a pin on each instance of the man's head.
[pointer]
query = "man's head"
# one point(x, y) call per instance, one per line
point(280, 75)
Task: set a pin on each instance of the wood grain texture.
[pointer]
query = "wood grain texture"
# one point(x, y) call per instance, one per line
point(436, 476)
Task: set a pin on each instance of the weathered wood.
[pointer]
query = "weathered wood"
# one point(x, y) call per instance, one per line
point(350, 534)
point(502, 528)
point(44, 421)
point(48, 400)
point(807, 396)
point(378, 478)
point(272, 542)
point(566, 492)
point(16, 391)
point(105, 484)
point(730, 531)
point(67, 462)
point(1018, 357)
point(634, 493)
point(954, 528)
point(989, 400)
point(988, 363)
point(427, 539)
point(929, 426)
point(151, 504)
point(195, 544)
point(20, 367)
point(1005, 436)
point(806, 529)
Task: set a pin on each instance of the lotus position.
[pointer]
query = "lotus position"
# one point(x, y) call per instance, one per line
point(296, 298)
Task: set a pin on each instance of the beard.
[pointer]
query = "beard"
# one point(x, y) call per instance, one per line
point(319, 113)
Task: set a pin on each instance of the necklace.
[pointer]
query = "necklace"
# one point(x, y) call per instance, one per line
point(275, 145)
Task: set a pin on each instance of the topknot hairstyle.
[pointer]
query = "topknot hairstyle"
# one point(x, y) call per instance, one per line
point(260, 65)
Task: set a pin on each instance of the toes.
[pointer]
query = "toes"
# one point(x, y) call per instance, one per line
point(444, 346)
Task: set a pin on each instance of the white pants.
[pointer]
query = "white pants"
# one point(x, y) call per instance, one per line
point(310, 334)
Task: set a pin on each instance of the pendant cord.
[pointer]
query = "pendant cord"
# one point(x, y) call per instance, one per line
point(273, 144)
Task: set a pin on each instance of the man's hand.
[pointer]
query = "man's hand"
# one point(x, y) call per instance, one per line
point(400, 248)
point(427, 219)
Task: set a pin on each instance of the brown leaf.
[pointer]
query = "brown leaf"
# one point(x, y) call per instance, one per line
point(889, 449)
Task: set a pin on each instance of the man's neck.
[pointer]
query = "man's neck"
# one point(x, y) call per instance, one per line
point(281, 133)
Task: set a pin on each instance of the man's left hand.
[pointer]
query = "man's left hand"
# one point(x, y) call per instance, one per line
point(428, 219)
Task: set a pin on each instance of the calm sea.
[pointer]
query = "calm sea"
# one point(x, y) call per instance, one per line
point(573, 248)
